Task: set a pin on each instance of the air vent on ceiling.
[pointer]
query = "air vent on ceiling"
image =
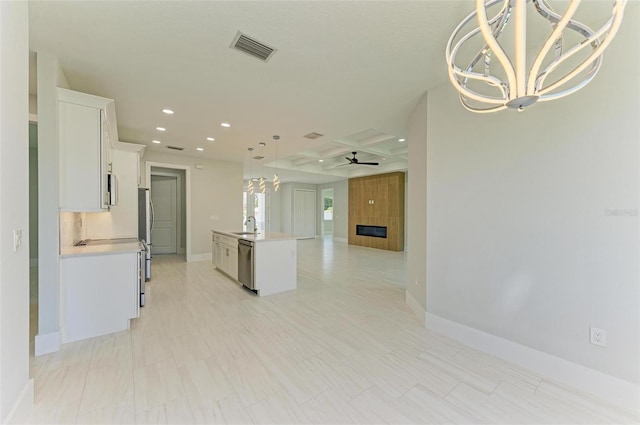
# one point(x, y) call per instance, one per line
point(175, 148)
point(258, 157)
point(313, 135)
point(253, 47)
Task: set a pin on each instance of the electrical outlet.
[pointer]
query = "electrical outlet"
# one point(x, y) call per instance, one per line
point(598, 337)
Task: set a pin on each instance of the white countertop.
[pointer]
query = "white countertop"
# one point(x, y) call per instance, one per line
point(260, 237)
point(120, 248)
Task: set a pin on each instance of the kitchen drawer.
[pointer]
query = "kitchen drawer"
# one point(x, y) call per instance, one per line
point(225, 240)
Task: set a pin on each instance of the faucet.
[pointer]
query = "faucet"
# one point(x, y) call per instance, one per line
point(251, 219)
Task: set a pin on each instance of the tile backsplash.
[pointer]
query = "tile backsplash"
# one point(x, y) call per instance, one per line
point(71, 228)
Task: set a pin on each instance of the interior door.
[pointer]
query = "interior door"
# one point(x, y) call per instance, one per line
point(304, 213)
point(165, 205)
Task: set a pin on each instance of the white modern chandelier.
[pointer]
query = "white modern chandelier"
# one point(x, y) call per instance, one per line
point(490, 80)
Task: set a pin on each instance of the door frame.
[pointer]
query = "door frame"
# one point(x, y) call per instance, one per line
point(187, 197)
point(333, 199)
point(179, 195)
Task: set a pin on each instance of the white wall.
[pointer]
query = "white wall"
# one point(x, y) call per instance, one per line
point(416, 210)
point(50, 76)
point(16, 389)
point(216, 196)
point(522, 242)
point(275, 205)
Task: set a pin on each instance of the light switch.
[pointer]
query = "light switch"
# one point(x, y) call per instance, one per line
point(17, 239)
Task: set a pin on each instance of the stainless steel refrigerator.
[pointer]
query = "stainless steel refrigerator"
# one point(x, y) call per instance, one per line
point(145, 224)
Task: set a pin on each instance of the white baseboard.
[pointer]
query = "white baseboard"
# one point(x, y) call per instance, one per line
point(47, 343)
point(415, 306)
point(343, 240)
point(199, 257)
point(609, 388)
point(22, 407)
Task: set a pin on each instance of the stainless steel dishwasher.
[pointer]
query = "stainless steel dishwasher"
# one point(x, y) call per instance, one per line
point(246, 263)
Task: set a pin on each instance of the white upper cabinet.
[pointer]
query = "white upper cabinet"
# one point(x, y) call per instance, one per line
point(86, 130)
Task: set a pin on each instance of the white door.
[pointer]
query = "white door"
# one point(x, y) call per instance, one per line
point(165, 206)
point(304, 213)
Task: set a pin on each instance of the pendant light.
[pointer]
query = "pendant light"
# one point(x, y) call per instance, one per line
point(276, 178)
point(263, 183)
point(489, 80)
point(250, 185)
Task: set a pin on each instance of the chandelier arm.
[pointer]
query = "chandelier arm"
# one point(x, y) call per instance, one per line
point(550, 15)
point(610, 28)
point(493, 44)
point(460, 77)
point(581, 84)
point(468, 107)
point(485, 52)
point(546, 47)
point(465, 21)
point(493, 81)
point(460, 83)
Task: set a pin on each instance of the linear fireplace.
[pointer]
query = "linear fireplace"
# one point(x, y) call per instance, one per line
point(373, 231)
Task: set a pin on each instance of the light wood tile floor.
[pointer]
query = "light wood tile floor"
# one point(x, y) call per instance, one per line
point(342, 348)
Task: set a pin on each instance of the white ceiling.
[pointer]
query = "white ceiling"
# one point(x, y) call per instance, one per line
point(350, 70)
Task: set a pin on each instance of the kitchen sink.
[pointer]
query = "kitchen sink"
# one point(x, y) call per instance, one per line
point(245, 233)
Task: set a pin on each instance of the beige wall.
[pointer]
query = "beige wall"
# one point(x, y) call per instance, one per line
point(215, 193)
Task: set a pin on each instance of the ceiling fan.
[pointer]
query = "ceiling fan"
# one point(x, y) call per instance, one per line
point(355, 161)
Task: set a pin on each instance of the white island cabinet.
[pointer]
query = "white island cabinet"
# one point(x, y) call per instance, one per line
point(274, 259)
point(99, 290)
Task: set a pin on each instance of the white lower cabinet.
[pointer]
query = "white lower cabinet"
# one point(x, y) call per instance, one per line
point(225, 255)
point(99, 294)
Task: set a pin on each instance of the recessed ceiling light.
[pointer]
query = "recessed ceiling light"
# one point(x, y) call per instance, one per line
point(161, 129)
point(321, 160)
point(167, 111)
point(225, 124)
point(156, 142)
point(199, 149)
point(211, 139)
point(402, 140)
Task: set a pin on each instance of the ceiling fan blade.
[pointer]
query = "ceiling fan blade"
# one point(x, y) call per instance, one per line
point(368, 163)
point(349, 159)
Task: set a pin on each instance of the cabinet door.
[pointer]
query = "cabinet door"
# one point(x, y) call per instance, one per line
point(218, 255)
point(81, 184)
point(105, 157)
point(233, 262)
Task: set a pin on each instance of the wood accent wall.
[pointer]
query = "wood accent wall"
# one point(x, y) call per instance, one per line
point(377, 201)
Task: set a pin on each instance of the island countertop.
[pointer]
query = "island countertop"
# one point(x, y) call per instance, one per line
point(259, 237)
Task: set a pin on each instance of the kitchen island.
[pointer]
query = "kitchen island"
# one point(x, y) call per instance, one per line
point(266, 263)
